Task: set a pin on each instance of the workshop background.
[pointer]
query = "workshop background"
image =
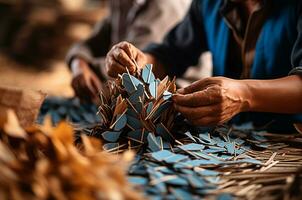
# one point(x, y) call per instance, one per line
point(35, 37)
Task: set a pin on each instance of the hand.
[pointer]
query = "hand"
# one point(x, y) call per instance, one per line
point(211, 101)
point(122, 56)
point(85, 82)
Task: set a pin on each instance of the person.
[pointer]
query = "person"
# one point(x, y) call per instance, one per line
point(137, 21)
point(257, 58)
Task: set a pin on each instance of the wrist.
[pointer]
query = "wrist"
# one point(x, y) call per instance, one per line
point(246, 96)
point(78, 66)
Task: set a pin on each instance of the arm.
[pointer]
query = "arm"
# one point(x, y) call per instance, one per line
point(85, 68)
point(85, 83)
point(181, 48)
point(216, 100)
point(156, 16)
point(97, 45)
point(282, 95)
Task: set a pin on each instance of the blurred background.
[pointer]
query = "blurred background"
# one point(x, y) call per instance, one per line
point(35, 36)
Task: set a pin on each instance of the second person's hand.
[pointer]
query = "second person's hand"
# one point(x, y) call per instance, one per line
point(124, 56)
point(212, 101)
point(85, 82)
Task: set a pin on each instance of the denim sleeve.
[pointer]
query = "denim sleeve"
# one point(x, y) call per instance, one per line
point(296, 71)
point(183, 45)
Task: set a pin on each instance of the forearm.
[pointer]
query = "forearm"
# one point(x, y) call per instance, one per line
point(282, 95)
point(78, 51)
point(94, 47)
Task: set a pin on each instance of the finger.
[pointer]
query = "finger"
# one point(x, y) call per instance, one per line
point(91, 90)
point(128, 48)
point(124, 60)
point(96, 84)
point(76, 86)
point(133, 54)
point(82, 94)
point(83, 88)
point(114, 68)
point(201, 98)
point(140, 62)
point(86, 88)
point(195, 86)
point(199, 112)
point(205, 121)
point(216, 118)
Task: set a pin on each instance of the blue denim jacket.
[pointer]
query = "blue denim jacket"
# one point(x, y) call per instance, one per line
point(278, 49)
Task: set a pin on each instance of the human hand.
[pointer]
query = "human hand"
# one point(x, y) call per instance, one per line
point(85, 82)
point(124, 56)
point(211, 101)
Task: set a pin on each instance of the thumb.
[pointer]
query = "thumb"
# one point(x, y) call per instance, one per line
point(96, 83)
point(194, 87)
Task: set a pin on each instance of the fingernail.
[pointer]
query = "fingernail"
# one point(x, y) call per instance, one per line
point(131, 71)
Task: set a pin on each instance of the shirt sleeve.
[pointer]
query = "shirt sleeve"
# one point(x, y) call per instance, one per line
point(296, 71)
point(297, 50)
point(94, 47)
point(155, 20)
point(183, 45)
